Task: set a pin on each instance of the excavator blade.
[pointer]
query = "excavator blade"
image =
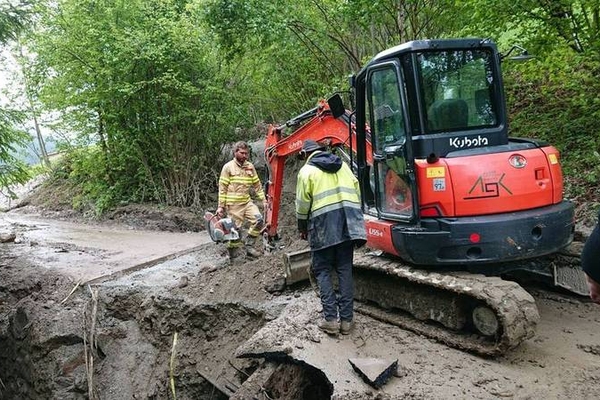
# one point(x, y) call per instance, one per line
point(296, 266)
point(567, 272)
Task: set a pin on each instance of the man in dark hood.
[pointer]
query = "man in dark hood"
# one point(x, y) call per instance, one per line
point(329, 214)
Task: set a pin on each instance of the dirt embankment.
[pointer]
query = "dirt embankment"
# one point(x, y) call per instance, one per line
point(183, 318)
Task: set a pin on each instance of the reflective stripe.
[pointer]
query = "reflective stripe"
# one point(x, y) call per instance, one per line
point(336, 206)
point(335, 191)
point(327, 189)
point(242, 179)
point(236, 198)
point(303, 204)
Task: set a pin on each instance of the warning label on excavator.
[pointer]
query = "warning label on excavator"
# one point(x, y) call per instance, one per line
point(439, 184)
point(553, 159)
point(436, 172)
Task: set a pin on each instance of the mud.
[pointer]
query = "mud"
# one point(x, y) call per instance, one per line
point(126, 328)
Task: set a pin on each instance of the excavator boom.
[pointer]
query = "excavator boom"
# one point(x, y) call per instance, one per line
point(328, 123)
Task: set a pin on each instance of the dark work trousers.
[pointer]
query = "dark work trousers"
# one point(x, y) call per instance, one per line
point(336, 258)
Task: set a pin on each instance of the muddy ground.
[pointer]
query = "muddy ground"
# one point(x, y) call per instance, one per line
point(174, 329)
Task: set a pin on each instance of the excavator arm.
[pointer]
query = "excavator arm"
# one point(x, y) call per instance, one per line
point(328, 123)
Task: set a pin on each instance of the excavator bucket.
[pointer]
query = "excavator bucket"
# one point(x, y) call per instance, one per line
point(296, 266)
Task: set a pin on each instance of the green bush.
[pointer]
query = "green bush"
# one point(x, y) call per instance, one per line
point(556, 100)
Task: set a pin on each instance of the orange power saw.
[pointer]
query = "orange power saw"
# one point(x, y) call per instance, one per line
point(221, 229)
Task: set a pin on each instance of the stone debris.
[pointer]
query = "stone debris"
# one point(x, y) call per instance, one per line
point(7, 237)
point(375, 371)
point(183, 282)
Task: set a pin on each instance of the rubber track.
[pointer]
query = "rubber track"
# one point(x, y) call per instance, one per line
point(515, 309)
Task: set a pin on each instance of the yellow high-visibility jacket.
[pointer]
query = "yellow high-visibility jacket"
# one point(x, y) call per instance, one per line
point(328, 204)
point(238, 184)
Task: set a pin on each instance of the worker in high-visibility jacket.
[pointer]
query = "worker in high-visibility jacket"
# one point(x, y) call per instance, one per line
point(329, 214)
point(238, 186)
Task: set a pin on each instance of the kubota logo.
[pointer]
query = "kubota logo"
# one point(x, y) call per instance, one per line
point(295, 145)
point(462, 142)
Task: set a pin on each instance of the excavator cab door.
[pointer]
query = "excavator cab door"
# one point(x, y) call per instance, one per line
point(392, 177)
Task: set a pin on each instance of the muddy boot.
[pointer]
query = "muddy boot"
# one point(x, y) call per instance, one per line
point(346, 327)
point(236, 252)
point(329, 327)
point(250, 250)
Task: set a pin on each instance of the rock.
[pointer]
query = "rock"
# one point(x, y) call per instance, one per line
point(7, 237)
point(276, 286)
point(183, 282)
point(375, 371)
point(19, 323)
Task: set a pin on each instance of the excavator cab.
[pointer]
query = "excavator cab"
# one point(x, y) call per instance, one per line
point(439, 101)
point(442, 181)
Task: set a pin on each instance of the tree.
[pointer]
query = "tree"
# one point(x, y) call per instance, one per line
point(29, 95)
point(305, 49)
point(542, 24)
point(150, 98)
point(12, 171)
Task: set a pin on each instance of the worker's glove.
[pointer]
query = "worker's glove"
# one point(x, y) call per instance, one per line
point(594, 289)
point(304, 235)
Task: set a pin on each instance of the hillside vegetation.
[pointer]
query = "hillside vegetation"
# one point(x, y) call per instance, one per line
point(148, 92)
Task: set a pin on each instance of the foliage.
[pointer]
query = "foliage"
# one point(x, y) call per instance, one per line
point(12, 171)
point(13, 15)
point(151, 90)
point(542, 25)
point(556, 100)
point(141, 81)
point(306, 49)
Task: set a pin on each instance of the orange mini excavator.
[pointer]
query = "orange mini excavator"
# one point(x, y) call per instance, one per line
point(451, 202)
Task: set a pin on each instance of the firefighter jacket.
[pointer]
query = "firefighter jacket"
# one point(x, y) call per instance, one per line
point(238, 184)
point(328, 203)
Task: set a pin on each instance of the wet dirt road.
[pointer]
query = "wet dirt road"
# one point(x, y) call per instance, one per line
point(91, 252)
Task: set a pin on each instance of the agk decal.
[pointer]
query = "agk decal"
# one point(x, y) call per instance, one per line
point(482, 189)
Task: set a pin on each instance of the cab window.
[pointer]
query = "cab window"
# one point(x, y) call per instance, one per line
point(457, 89)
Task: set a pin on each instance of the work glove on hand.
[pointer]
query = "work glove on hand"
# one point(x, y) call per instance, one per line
point(594, 290)
point(304, 235)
